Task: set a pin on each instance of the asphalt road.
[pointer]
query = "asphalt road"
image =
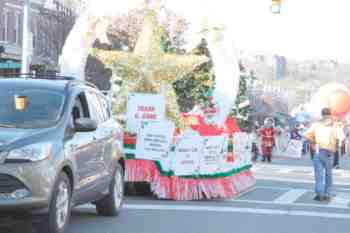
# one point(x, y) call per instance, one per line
point(280, 203)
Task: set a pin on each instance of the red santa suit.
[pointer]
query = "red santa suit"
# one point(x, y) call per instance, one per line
point(267, 141)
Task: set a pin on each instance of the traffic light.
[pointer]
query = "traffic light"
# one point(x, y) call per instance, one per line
point(276, 6)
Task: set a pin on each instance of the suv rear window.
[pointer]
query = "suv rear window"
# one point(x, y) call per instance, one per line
point(43, 108)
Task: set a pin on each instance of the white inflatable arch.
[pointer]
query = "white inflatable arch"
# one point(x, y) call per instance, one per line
point(204, 23)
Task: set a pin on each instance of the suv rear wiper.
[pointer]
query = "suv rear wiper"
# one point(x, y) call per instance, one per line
point(7, 126)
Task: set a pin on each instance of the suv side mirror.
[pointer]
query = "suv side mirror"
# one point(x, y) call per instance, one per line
point(85, 125)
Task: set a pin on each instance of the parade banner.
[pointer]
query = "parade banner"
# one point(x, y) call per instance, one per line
point(282, 142)
point(154, 141)
point(213, 155)
point(187, 153)
point(144, 108)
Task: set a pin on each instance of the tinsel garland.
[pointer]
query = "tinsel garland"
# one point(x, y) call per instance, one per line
point(165, 185)
point(130, 147)
point(209, 176)
point(179, 188)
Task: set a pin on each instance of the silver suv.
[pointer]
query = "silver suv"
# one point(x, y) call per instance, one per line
point(59, 148)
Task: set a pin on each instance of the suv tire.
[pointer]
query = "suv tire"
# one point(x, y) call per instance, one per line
point(111, 204)
point(60, 207)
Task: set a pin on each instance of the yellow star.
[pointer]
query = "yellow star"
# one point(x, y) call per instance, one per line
point(148, 69)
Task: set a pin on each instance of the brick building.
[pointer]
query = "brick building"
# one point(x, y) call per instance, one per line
point(49, 27)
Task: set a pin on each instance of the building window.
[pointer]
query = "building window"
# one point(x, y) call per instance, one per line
point(2, 25)
point(18, 28)
point(5, 25)
point(39, 45)
point(34, 37)
point(11, 27)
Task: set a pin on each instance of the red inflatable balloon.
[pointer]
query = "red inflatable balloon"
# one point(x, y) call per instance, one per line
point(339, 103)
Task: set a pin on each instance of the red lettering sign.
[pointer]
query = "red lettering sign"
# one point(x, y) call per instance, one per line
point(146, 109)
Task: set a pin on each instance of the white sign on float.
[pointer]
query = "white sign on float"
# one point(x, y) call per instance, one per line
point(242, 149)
point(293, 150)
point(154, 141)
point(187, 153)
point(212, 157)
point(144, 108)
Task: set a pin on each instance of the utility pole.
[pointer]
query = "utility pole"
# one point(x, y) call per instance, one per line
point(27, 46)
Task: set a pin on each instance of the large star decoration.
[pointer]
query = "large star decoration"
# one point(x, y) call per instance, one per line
point(148, 69)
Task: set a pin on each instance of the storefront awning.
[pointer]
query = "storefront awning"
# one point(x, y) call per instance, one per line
point(10, 65)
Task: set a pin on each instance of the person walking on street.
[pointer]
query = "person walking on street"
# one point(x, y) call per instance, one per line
point(340, 134)
point(312, 150)
point(255, 143)
point(294, 134)
point(268, 142)
point(324, 134)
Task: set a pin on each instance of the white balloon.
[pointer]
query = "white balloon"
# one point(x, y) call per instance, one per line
point(320, 100)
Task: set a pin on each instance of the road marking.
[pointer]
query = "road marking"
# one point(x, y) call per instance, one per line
point(339, 200)
point(290, 196)
point(273, 187)
point(301, 180)
point(296, 169)
point(286, 170)
point(336, 189)
point(235, 210)
point(321, 205)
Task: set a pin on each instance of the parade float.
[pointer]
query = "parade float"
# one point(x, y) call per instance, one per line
point(183, 156)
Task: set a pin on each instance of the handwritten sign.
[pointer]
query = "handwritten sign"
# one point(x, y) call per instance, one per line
point(242, 148)
point(293, 150)
point(154, 141)
point(213, 155)
point(187, 152)
point(144, 108)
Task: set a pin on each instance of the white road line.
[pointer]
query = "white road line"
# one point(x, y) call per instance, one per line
point(333, 205)
point(303, 169)
point(306, 181)
point(235, 210)
point(285, 170)
point(273, 187)
point(321, 205)
point(290, 196)
point(339, 201)
point(310, 189)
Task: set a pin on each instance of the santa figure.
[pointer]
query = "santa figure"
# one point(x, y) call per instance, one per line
point(268, 133)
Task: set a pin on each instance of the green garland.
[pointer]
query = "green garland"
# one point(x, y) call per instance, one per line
point(232, 172)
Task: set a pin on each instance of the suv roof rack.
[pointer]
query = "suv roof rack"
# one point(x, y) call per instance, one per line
point(39, 76)
point(49, 77)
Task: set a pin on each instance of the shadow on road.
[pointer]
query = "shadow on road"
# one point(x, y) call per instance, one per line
point(80, 216)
